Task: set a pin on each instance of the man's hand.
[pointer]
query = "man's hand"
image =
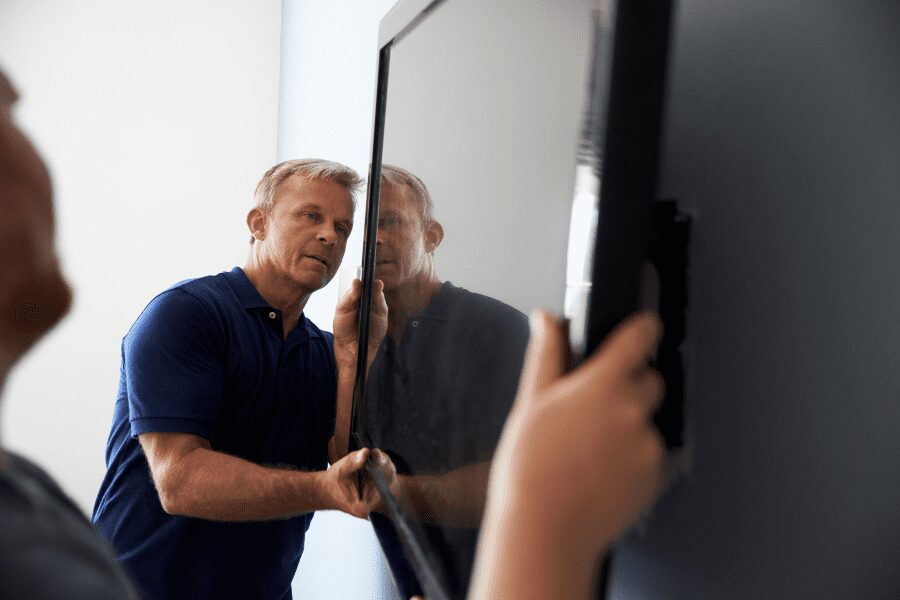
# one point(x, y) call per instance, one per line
point(339, 485)
point(346, 323)
point(382, 464)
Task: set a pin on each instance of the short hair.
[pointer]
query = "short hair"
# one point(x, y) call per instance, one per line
point(398, 176)
point(311, 168)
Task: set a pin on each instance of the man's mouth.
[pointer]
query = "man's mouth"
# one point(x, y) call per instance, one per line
point(321, 259)
point(383, 261)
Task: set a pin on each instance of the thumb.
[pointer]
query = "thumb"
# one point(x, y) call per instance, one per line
point(351, 463)
point(349, 300)
point(379, 305)
point(545, 358)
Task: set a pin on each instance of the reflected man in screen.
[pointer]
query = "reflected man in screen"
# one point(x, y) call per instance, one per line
point(440, 388)
point(225, 417)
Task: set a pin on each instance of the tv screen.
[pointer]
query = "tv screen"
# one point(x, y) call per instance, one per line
point(486, 176)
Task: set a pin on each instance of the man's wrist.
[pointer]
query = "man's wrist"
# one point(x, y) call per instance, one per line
point(311, 488)
point(318, 491)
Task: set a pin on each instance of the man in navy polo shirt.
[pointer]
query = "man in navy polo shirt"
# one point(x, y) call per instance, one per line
point(225, 417)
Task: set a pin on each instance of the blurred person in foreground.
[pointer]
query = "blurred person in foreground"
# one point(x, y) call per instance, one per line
point(48, 549)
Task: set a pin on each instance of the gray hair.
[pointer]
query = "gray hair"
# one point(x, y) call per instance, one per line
point(398, 176)
point(311, 168)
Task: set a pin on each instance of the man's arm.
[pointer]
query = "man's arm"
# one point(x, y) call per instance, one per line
point(578, 461)
point(455, 498)
point(346, 327)
point(195, 481)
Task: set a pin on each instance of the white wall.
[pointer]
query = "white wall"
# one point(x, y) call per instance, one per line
point(156, 119)
point(328, 72)
point(327, 104)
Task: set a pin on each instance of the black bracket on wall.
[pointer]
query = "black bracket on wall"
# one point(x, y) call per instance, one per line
point(668, 255)
point(668, 252)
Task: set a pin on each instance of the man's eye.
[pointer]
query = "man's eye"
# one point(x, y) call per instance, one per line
point(343, 230)
point(311, 216)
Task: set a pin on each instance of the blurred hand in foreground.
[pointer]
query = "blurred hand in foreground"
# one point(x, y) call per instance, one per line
point(578, 461)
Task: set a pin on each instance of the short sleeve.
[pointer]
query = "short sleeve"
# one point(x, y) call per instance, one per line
point(174, 362)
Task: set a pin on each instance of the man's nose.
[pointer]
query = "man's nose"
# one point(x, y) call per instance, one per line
point(328, 236)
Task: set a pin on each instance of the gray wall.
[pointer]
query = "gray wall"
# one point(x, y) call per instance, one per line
point(783, 139)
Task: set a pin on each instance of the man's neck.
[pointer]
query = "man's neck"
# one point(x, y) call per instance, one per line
point(409, 300)
point(279, 291)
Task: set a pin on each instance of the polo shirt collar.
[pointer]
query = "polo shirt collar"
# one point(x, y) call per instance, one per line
point(244, 290)
point(437, 308)
point(251, 300)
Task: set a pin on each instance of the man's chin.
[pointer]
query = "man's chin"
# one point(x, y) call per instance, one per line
point(312, 281)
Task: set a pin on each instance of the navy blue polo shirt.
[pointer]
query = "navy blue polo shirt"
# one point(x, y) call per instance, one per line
point(208, 357)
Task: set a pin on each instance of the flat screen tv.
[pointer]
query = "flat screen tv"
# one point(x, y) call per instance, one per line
point(513, 165)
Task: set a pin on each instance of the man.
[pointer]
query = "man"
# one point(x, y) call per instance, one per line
point(439, 390)
point(47, 548)
point(225, 416)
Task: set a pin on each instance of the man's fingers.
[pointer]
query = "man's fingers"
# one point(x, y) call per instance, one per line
point(545, 358)
point(382, 462)
point(350, 300)
point(372, 496)
point(351, 463)
point(632, 343)
point(379, 305)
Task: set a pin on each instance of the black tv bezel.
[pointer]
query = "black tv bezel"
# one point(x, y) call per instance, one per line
point(628, 162)
point(627, 143)
point(399, 21)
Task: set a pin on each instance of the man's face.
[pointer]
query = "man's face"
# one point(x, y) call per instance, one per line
point(402, 252)
point(307, 230)
point(33, 293)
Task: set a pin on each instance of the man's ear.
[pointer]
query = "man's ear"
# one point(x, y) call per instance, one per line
point(434, 235)
point(256, 223)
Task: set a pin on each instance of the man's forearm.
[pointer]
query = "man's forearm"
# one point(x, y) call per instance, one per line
point(219, 487)
point(346, 384)
point(346, 339)
point(340, 443)
point(454, 498)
